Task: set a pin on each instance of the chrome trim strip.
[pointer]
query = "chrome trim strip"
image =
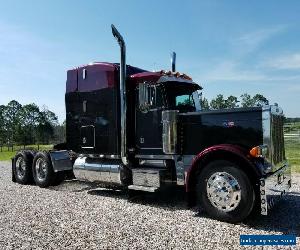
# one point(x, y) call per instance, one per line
point(147, 148)
point(94, 135)
point(152, 163)
point(100, 156)
point(158, 157)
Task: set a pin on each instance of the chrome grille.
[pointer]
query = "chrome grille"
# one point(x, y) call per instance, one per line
point(277, 139)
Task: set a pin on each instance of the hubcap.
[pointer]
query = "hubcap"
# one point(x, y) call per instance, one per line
point(223, 191)
point(20, 167)
point(41, 169)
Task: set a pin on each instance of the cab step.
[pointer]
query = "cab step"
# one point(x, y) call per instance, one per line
point(147, 179)
point(143, 188)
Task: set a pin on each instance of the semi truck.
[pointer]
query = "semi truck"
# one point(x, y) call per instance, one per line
point(141, 130)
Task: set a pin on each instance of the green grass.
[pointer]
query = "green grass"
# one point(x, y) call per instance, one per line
point(292, 150)
point(292, 127)
point(6, 155)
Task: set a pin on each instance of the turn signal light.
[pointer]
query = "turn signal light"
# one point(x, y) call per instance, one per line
point(259, 151)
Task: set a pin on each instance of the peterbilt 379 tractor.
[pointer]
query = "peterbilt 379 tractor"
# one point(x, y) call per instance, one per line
point(143, 130)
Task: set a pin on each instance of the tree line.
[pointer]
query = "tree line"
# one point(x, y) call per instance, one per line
point(246, 100)
point(293, 120)
point(28, 124)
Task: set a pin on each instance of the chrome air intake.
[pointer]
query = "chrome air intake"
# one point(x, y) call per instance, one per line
point(169, 135)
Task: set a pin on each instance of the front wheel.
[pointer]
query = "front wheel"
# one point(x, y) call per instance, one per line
point(225, 191)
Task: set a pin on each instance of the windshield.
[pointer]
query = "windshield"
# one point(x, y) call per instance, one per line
point(182, 97)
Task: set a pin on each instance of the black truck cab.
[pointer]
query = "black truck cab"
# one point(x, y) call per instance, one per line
point(143, 130)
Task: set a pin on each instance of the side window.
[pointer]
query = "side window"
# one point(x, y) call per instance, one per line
point(184, 100)
point(158, 97)
point(150, 97)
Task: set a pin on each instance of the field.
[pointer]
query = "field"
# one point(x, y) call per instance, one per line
point(292, 144)
point(292, 149)
point(7, 153)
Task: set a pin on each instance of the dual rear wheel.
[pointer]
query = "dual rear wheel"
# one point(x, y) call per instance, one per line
point(22, 167)
point(28, 168)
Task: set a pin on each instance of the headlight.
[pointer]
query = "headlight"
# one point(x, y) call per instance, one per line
point(259, 151)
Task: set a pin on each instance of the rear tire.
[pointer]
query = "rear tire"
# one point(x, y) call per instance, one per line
point(225, 192)
point(21, 167)
point(42, 170)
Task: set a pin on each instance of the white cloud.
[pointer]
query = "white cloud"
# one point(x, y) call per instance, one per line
point(294, 87)
point(291, 61)
point(229, 71)
point(250, 41)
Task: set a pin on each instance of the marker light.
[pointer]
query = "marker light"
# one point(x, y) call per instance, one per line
point(259, 151)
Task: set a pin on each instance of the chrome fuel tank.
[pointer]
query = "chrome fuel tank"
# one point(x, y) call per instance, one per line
point(98, 170)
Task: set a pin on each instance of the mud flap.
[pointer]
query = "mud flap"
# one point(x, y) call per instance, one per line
point(61, 160)
point(13, 177)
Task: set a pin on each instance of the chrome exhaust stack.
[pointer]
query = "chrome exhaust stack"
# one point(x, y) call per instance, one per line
point(173, 61)
point(123, 108)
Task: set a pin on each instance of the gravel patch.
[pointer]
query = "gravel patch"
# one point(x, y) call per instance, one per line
point(76, 215)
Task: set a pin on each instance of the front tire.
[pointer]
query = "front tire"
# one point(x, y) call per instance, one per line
point(42, 170)
point(225, 192)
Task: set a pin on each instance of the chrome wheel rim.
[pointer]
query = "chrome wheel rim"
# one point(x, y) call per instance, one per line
point(41, 169)
point(223, 191)
point(20, 167)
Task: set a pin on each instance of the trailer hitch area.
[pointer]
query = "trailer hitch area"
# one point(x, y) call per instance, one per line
point(273, 187)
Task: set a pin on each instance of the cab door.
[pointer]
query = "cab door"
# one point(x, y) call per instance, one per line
point(148, 125)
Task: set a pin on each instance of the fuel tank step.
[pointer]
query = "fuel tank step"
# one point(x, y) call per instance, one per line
point(143, 188)
point(148, 177)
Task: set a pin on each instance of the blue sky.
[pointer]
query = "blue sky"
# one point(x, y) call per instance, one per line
point(228, 47)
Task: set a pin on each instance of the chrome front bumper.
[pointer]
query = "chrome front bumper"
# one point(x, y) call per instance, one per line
point(273, 187)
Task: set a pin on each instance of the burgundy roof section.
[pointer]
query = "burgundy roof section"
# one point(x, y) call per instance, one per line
point(101, 75)
point(145, 76)
point(97, 76)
